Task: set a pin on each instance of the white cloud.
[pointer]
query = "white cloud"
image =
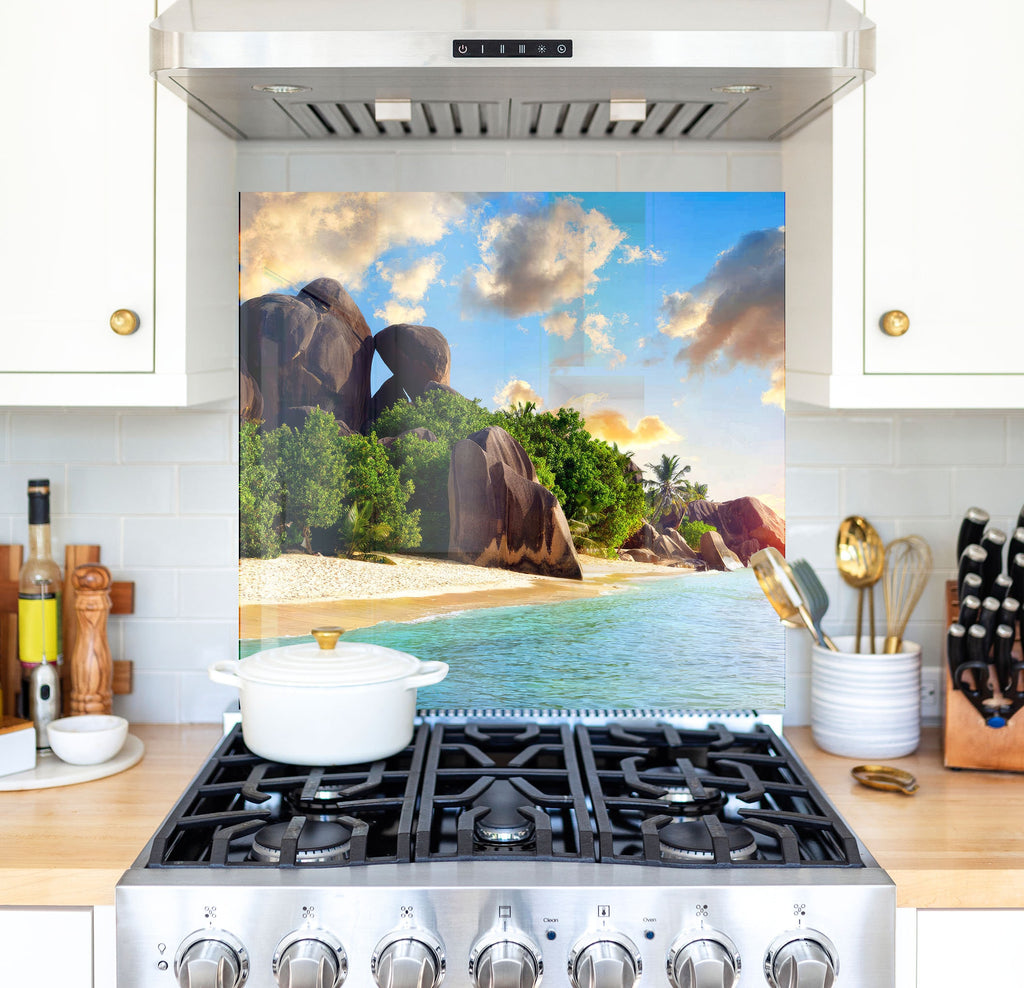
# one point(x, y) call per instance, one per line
point(394, 311)
point(776, 393)
point(290, 238)
point(517, 392)
point(631, 254)
point(561, 324)
point(535, 261)
point(411, 284)
point(595, 328)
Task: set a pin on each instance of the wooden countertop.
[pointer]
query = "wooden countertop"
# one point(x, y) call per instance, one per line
point(958, 843)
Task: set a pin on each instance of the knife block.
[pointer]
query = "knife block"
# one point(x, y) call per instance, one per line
point(967, 741)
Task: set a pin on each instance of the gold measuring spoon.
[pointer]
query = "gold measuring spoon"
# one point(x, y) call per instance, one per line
point(885, 777)
point(860, 559)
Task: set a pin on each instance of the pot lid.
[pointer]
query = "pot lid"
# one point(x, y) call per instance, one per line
point(347, 664)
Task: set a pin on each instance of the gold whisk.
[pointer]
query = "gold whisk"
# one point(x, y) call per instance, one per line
point(908, 562)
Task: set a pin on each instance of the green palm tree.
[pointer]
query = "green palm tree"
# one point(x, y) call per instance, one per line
point(695, 492)
point(668, 488)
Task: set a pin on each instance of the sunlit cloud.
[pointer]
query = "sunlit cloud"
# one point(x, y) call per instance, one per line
point(412, 283)
point(394, 311)
point(561, 324)
point(776, 393)
point(534, 261)
point(613, 427)
point(517, 392)
point(290, 238)
point(737, 313)
point(632, 254)
point(595, 328)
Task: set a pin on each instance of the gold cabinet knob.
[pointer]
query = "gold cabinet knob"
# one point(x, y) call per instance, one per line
point(124, 322)
point(327, 638)
point(895, 323)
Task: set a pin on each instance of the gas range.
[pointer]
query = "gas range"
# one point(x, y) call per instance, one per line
point(590, 851)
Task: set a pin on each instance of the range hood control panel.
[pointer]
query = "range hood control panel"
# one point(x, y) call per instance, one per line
point(514, 48)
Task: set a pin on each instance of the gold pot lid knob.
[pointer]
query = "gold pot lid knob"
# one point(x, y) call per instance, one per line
point(895, 322)
point(124, 322)
point(327, 638)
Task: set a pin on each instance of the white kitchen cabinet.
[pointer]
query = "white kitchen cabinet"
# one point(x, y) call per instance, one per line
point(46, 947)
point(905, 197)
point(114, 197)
point(969, 947)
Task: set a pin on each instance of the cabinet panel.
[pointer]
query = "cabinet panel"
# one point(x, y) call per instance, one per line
point(47, 948)
point(968, 947)
point(944, 147)
point(77, 188)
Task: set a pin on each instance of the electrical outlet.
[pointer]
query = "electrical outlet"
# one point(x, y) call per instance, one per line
point(931, 705)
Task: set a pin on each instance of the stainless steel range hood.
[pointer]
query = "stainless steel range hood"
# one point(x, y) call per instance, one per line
point(495, 69)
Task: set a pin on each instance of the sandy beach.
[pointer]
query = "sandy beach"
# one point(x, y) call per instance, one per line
point(294, 593)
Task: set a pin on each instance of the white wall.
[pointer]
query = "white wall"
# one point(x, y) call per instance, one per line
point(157, 490)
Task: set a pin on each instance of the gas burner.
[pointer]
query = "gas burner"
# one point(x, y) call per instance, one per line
point(691, 841)
point(319, 842)
point(502, 823)
point(681, 801)
point(325, 803)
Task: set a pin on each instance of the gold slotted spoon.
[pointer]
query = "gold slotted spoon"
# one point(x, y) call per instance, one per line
point(860, 559)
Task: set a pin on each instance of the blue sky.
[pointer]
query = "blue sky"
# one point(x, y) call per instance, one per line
point(658, 315)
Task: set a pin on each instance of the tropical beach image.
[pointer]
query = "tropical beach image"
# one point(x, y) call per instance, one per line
point(537, 436)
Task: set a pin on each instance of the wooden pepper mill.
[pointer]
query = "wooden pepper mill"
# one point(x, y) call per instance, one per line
point(92, 670)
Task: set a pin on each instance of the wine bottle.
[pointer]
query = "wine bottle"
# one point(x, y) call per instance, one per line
point(39, 593)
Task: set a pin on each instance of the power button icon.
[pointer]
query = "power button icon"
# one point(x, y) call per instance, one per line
point(463, 49)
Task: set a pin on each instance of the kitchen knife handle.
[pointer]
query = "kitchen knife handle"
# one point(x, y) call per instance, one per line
point(988, 618)
point(956, 652)
point(977, 660)
point(1017, 576)
point(1009, 611)
point(1001, 587)
point(972, 560)
point(993, 542)
point(971, 528)
point(1002, 660)
point(970, 607)
point(1016, 545)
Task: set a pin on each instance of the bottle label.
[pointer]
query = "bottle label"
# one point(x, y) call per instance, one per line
point(39, 631)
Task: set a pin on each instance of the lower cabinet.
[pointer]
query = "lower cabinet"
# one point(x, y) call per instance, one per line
point(47, 947)
point(969, 947)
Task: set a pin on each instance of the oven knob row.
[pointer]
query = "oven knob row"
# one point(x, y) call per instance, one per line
point(211, 959)
point(413, 959)
point(708, 961)
point(505, 960)
point(801, 959)
point(609, 960)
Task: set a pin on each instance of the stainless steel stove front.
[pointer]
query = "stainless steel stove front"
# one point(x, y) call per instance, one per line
point(482, 923)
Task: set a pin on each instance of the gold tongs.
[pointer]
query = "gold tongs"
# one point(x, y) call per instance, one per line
point(885, 777)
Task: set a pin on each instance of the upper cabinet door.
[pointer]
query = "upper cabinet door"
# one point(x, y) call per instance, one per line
point(77, 187)
point(944, 203)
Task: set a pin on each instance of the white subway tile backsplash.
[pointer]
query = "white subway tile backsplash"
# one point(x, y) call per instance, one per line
point(999, 490)
point(209, 593)
point(158, 645)
point(122, 489)
point(668, 172)
point(155, 698)
point(156, 592)
point(571, 171)
point(177, 437)
point(203, 701)
point(952, 440)
point(812, 493)
point(813, 440)
point(453, 172)
point(14, 478)
point(179, 542)
point(78, 530)
point(339, 173)
point(897, 493)
point(1015, 440)
point(207, 490)
point(71, 437)
point(755, 172)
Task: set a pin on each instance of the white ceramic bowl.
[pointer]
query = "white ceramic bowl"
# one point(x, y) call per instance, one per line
point(88, 739)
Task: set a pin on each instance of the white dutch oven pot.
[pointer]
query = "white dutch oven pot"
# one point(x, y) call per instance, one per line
point(327, 703)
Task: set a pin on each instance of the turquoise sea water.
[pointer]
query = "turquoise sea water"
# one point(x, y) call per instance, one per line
point(701, 640)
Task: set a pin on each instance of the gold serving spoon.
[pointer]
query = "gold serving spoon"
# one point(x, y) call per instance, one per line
point(860, 559)
point(885, 777)
point(776, 580)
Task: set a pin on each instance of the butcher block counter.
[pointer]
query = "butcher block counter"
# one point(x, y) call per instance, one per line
point(957, 843)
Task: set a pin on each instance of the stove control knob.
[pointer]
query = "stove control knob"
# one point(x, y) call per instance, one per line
point(801, 959)
point(607, 960)
point(211, 959)
point(310, 959)
point(706, 961)
point(413, 959)
point(505, 963)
